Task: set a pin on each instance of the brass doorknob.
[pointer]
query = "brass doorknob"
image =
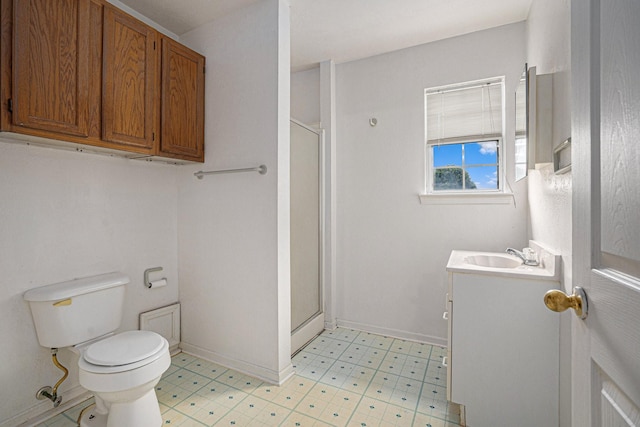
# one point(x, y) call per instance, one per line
point(556, 300)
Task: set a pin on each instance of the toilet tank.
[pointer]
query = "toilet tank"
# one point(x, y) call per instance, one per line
point(72, 312)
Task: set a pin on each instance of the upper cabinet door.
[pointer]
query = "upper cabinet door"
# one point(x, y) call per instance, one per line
point(182, 102)
point(51, 65)
point(129, 88)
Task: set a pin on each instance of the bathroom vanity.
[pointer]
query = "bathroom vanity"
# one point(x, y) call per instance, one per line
point(503, 348)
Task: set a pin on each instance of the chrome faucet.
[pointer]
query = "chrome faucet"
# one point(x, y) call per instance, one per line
point(527, 257)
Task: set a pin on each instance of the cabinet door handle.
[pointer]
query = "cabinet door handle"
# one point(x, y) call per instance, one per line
point(445, 361)
point(445, 315)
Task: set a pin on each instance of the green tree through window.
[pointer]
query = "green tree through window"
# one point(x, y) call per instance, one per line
point(451, 179)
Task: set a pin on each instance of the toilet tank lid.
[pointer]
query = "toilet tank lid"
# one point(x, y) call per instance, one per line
point(75, 287)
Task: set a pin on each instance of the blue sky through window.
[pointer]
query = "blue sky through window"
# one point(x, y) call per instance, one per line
point(485, 177)
point(480, 161)
point(447, 155)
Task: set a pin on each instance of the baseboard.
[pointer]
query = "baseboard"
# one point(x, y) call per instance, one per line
point(44, 410)
point(264, 374)
point(394, 333)
point(331, 325)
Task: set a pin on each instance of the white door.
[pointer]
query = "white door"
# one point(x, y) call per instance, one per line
point(606, 211)
point(307, 317)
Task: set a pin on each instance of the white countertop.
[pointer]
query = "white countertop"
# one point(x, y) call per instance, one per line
point(549, 268)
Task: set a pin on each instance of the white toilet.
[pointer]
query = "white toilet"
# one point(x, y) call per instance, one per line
point(120, 369)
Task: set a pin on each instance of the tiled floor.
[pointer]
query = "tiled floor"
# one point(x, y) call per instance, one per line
point(343, 378)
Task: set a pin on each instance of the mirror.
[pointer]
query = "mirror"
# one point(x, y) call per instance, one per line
point(522, 134)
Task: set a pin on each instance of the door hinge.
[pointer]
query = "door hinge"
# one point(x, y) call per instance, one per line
point(204, 70)
point(153, 136)
point(10, 105)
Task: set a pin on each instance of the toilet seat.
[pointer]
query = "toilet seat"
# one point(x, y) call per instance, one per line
point(125, 379)
point(123, 352)
point(124, 348)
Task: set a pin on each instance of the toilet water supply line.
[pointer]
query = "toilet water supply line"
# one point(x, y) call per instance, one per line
point(47, 392)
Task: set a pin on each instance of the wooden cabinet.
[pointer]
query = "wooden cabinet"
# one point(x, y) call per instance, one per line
point(51, 66)
point(82, 71)
point(129, 81)
point(182, 99)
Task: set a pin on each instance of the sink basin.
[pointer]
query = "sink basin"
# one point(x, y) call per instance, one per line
point(495, 261)
point(502, 264)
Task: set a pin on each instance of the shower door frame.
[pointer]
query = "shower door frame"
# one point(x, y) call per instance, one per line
point(315, 324)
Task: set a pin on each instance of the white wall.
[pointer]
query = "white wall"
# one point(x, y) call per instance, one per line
point(549, 50)
point(234, 229)
point(305, 96)
point(65, 215)
point(392, 251)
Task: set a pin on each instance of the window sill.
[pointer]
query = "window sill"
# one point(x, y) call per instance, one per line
point(497, 198)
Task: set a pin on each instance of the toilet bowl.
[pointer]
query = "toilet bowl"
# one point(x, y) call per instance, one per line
point(122, 371)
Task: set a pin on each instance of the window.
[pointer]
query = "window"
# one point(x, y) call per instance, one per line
point(464, 138)
point(466, 166)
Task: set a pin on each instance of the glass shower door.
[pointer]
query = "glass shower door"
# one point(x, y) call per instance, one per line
point(307, 319)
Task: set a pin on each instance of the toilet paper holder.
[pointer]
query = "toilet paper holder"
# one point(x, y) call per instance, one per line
point(147, 282)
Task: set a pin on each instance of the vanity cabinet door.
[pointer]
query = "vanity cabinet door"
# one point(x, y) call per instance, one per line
point(129, 87)
point(504, 348)
point(182, 102)
point(51, 76)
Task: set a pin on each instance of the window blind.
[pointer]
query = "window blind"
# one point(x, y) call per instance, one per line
point(469, 112)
